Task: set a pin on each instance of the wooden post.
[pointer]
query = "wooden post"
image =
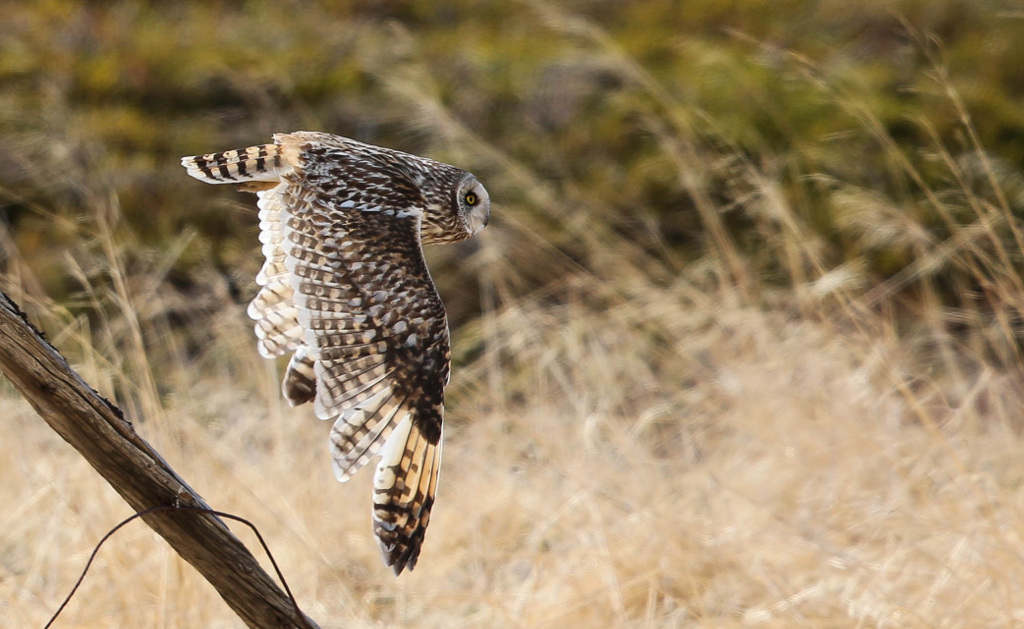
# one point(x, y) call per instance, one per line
point(101, 434)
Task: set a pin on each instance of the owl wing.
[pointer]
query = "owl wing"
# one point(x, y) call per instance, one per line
point(259, 169)
point(345, 287)
point(376, 331)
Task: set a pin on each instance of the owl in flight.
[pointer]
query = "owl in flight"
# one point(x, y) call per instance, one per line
point(345, 290)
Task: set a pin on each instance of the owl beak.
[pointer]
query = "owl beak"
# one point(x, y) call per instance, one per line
point(479, 218)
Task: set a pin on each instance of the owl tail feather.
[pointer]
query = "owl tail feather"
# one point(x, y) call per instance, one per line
point(299, 384)
point(262, 163)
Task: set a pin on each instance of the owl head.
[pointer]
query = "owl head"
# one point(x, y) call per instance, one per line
point(460, 213)
point(472, 203)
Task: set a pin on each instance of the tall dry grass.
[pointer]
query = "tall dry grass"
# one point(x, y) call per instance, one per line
point(751, 437)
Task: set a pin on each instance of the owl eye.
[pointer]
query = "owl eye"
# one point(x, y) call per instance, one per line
point(471, 199)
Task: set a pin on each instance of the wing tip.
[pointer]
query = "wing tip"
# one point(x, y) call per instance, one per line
point(399, 555)
point(399, 565)
point(404, 487)
point(263, 163)
point(191, 165)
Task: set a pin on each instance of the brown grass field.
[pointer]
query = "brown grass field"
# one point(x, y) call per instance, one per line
point(680, 396)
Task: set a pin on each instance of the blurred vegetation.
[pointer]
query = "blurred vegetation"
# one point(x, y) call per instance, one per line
point(748, 312)
point(886, 138)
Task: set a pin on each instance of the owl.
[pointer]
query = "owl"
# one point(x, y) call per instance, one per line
point(346, 291)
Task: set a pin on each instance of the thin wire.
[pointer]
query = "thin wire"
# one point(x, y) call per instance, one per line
point(110, 533)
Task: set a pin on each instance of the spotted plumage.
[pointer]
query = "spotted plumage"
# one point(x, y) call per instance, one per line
point(346, 291)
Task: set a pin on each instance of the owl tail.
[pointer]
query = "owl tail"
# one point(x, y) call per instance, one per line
point(245, 167)
point(299, 384)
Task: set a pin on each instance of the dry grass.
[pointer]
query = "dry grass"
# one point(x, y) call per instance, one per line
point(759, 435)
point(795, 487)
point(670, 458)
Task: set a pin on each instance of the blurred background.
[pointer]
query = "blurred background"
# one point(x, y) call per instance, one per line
point(741, 345)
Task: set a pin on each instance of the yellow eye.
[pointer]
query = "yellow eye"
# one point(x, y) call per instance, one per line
point(471, 199)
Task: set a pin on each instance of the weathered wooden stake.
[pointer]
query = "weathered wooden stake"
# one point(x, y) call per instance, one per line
point(101, 434)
